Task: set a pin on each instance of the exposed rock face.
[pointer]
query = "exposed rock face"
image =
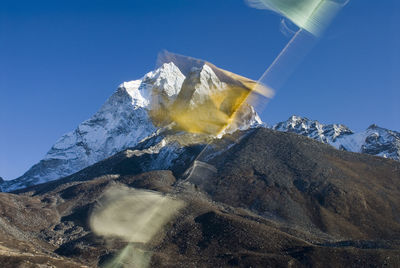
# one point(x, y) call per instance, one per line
point(275, 199)
point(374, 140)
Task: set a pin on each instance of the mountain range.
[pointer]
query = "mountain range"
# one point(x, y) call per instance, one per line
point(126, 120)
point(374, 140)
point(296, 194)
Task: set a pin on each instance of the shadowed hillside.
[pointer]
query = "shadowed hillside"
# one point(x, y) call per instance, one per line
point(277, 199)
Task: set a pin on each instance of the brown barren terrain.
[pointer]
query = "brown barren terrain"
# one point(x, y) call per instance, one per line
point(277, 200)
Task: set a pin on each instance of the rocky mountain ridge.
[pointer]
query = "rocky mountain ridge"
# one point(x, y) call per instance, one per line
point(374, 140)
point(275, 199)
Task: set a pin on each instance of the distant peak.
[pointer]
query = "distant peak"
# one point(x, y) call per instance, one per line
point(296, 118)
point(167, 79)
point(203, 70)
point(166, 69)
point(313, 128)
point(373, 126)
point(204, 75)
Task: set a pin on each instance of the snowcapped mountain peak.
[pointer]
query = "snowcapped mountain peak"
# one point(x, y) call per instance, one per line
point(207, 76)
point(204, 75)
point(295, 118)
point(166, 80)
point(128, 117)
point(163, 85)
point(382, 142)
point(199, 85)
point(374, 140)
point(313, 129)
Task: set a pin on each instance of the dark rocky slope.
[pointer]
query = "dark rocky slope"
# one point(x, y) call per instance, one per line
point(277, 200)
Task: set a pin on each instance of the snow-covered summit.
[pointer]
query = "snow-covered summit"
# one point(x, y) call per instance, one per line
point(126, 118)
point(166, 80)
point(201, 83)
point(374, 140)
point(313, 129)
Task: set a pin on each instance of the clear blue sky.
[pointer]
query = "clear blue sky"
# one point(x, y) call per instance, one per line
point(60, 60)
